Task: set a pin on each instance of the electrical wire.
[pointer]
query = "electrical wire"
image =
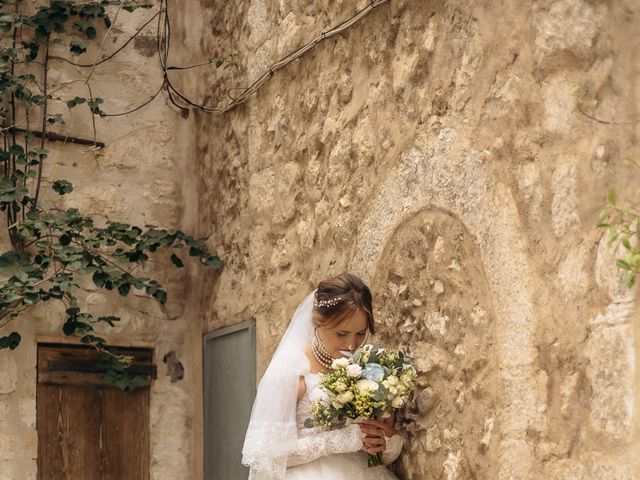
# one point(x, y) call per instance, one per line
point(164, 43)
point(181, 100)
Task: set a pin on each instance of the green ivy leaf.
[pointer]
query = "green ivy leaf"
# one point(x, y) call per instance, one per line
point(11, 341)
point(16, 149)
point(62, 187)
point(9, 260)
point(160, 296)
point(94, 106)
point(65, 239)
point(612, 236)
point(69, 327)
point(77, 48)
point(89, 338)
point(99, 278)
point(124, 289)
point(623, 264)
point(176, 261)
point(74, 102)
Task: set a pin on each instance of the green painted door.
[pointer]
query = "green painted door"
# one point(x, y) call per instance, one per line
point(229, 389)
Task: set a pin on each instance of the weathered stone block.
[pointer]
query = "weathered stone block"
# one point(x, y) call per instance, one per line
point(564, 213)
point(568, 25)
point(590, 467)
point(8, 372)
point(611, 372)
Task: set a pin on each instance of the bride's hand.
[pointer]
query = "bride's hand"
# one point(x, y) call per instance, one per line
point(375, 431)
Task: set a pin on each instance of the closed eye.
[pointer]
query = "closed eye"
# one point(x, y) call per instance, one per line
point(362, 334)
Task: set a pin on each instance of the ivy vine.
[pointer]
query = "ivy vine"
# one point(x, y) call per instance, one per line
point(54, 252)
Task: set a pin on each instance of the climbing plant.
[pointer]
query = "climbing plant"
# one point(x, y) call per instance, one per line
point(53, 251)
point(622, 222)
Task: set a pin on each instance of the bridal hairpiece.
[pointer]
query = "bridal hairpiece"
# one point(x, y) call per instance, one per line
point(326, 303)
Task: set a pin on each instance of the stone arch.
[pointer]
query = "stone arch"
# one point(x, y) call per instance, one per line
point(433, 300)
point(449, 174)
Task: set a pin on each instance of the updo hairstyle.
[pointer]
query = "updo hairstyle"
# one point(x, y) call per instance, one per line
point(338, 298)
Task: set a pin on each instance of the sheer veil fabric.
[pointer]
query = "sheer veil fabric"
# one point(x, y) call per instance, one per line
point(272, 432)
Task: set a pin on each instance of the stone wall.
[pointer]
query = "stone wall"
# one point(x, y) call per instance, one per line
point(136, 179)
point(436, 149)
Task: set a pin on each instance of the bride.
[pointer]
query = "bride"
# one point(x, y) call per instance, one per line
point(336, 317)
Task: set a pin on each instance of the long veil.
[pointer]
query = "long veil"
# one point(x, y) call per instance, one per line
point(272, 432)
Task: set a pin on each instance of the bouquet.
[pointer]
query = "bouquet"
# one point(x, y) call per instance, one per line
point(368, 384)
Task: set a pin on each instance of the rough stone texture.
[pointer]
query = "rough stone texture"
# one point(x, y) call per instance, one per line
point(436, 150)
point(611, 374)
point(8, 372)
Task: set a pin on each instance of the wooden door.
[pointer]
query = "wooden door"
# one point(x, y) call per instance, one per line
point(88, 431)
point(229, 389)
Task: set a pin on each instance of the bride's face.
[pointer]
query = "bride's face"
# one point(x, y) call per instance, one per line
point(347, 335)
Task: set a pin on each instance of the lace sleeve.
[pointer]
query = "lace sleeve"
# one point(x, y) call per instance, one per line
point(394, 447)
point(318, 444)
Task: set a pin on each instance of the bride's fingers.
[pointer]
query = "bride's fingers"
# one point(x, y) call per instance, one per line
point(376, 427)
point(372, 441)
point(372, 431)
point(373, 450)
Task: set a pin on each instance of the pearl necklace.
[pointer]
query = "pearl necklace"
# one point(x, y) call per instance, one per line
point(320, 352)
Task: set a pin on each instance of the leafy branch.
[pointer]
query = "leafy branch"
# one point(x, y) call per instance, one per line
point(55, 252)
point(623, 226)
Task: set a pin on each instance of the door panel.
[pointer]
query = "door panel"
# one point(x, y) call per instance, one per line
point(88, 431)
point(229, 389)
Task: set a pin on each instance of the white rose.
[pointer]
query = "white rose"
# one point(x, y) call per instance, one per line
point(354, 370)
point(366, 386)
point(340, 386)
point(397, 402)
point(339, 362)
point(321, 395)
point(345, 397)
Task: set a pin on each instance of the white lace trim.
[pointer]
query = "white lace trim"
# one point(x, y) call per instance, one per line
point(394, 447)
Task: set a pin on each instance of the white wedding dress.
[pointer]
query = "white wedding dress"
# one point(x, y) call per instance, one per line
point(334, 454)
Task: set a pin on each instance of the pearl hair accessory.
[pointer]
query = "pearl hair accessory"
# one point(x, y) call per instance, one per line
point(326, 303)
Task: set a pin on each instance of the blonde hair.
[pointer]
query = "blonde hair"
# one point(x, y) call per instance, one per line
point(337, 298)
